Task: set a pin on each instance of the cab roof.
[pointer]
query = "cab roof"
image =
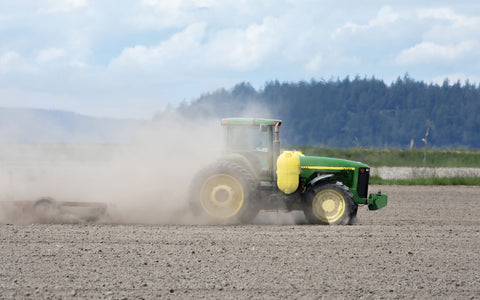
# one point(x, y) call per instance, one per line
point(250, 121)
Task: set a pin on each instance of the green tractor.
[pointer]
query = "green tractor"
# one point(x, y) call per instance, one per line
point(252, 175)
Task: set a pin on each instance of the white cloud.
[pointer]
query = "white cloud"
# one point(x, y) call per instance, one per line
point(237, 49)
point(445, 13)
point(174, 50)
point(8, 60)
point(12, 62)
point(63, 6)
point(429, 52)
point(385, 16)
point(77, 64)
point(244, 49)
point(447, 26)
point(161, 15)
point(77, 3)
point(167, 52)
point(314, 65)
point(49, 55)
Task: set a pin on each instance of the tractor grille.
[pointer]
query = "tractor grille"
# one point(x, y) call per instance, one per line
point(362, 186)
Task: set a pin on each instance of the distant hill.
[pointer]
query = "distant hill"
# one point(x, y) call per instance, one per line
point(18, 125)
point(357, 112)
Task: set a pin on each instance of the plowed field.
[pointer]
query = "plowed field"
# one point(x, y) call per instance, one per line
point(424, 244)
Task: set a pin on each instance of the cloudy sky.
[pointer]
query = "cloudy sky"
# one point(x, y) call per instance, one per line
point(130, 59)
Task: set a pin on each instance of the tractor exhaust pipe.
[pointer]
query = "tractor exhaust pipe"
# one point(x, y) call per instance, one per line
point(276, 150)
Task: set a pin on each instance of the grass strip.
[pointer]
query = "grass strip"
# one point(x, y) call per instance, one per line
point(447, 158)
point(427, 181)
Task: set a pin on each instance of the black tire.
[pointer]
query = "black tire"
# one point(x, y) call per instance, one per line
point(225, 192)
point(330, 203)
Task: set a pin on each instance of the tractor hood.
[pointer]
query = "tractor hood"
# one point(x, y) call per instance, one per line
point(328, 164)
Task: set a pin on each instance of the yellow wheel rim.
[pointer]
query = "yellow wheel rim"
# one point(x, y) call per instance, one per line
point(221, 196)
point(328, 206)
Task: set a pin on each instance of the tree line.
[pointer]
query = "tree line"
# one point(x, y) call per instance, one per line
point(358, 112)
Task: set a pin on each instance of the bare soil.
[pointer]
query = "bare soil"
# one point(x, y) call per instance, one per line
point(424, 244)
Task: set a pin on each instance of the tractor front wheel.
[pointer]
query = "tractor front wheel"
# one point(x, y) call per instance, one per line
point(329, 203)
point(225, 192)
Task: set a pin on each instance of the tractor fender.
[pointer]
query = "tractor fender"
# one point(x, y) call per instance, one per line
point(319, 178)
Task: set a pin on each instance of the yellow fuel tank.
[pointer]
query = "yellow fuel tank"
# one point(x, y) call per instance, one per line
point(288, 171)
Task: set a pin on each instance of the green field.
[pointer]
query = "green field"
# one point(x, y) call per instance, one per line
point(436, 158)
point(458, 180)
point(401, 158)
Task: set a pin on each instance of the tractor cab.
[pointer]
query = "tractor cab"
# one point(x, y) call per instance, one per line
point(255, 143)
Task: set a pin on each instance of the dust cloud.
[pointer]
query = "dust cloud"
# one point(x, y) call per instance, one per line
point(143, 181)
point(149, 181)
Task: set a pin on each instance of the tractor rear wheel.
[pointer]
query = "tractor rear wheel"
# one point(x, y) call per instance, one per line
point(225, 192)
point(329, 203)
